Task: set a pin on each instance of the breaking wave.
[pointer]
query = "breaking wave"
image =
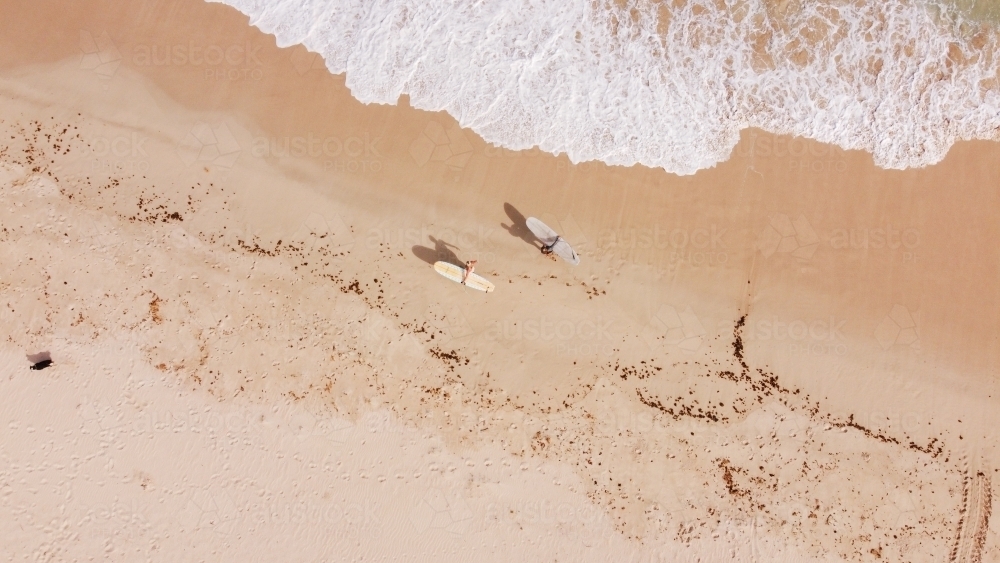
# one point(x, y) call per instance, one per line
point(668, 84)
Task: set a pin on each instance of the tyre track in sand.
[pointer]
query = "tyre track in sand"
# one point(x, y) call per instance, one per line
point(975, 520)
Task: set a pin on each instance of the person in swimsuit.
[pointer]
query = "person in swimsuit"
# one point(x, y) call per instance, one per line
point(470, 267)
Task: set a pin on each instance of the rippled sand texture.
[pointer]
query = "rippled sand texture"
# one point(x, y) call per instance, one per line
point(789, 357)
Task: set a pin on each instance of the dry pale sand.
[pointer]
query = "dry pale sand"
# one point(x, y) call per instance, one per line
point(791, 357)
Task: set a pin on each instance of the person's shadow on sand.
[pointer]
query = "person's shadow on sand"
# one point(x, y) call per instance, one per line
point(518, 227)
point(442, 251)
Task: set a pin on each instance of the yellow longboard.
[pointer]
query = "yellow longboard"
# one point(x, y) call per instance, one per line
point(455, 273)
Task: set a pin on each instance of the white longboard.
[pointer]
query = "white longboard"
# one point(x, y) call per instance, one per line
point(455, 273)
point(545, 234)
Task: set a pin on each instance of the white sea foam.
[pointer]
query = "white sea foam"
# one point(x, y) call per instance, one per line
point(668, 87)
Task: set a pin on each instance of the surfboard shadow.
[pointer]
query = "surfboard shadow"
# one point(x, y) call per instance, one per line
point(519, 227)
point(442, 251)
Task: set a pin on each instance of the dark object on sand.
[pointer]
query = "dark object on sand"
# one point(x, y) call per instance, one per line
point(40, 360)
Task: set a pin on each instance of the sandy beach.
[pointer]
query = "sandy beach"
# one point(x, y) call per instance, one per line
point(792, 356)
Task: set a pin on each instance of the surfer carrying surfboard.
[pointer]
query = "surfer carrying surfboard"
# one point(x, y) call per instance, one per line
point(552, 243)
point(470, 267)
point(547, 249)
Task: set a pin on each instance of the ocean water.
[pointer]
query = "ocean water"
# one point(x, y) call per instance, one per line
point(666, 84)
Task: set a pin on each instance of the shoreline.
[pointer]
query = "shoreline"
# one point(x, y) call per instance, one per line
point(685, 113)
point(864, 291)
